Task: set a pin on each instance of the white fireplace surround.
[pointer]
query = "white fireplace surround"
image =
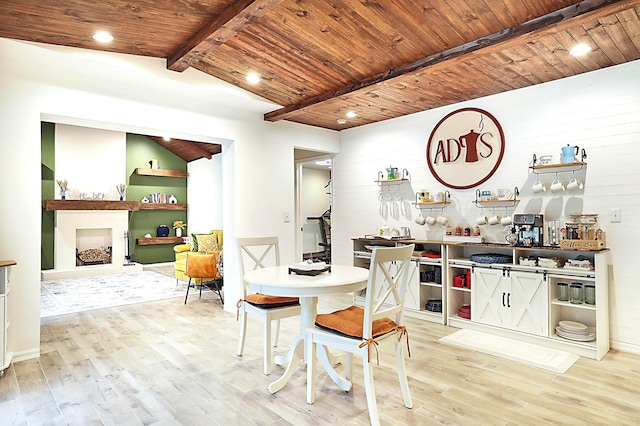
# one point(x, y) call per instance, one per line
point(68, 222)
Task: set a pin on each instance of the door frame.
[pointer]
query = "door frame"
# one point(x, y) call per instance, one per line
point(298, 219)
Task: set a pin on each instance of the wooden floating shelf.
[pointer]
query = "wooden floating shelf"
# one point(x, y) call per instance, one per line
point(399, 180)
point(52, 205)
point(162, 206)
point(558, 166)
point(158, 240)
point(432, 203)
point(506, 200)
point(159, 172)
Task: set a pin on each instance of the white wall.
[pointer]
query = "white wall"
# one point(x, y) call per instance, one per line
point(90, 160)
point(135, 94)
point(599, 111)
point(204, 188)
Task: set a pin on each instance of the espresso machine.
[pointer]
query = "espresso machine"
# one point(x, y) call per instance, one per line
point(529, 229)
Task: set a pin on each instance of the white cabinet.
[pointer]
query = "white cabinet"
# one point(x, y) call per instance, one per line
point(509, 299)
point(5, 355)
point(512, 299)
point(425, 276)
point(3, 331)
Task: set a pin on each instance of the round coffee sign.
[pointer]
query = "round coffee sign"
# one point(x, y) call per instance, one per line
point(465, 148)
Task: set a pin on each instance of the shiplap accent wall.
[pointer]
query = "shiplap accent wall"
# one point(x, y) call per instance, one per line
point(599, 112)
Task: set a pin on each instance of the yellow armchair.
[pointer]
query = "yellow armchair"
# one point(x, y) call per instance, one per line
point(181, 251)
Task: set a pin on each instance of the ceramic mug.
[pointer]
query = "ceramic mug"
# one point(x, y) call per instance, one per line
point(431, 220)
point(538, 187)
point(556, 186)
point(494, 220)
point(481, 220)
point(385, 231)
point(420, 220)
point(442, 220)
point(506, 220)
point(574, 184)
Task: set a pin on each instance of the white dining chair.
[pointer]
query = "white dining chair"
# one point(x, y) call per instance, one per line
point(361, 331)
point(254, 253)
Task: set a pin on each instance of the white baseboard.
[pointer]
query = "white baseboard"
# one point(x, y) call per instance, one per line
point(625, 347)
point(25, 355)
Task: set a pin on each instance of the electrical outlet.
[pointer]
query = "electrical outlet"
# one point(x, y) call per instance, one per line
point(615, 215)
point(287, 217)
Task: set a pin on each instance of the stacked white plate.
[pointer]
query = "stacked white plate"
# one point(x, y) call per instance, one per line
point(574, 331)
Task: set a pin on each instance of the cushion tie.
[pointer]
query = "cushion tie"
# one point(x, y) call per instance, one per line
point(402, 331)
point(238, 306)
point(368, 343)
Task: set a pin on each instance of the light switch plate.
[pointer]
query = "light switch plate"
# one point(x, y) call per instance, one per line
point(287, 217)
point(615, 215)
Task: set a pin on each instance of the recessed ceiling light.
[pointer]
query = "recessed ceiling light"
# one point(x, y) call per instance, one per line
point(351, 114)
point(103, 37)
point(580, 49)
point(253, 78)
point(166, 138)
point(341, 121)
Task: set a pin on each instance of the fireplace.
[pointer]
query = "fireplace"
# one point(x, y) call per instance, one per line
point(93, 246)
point(80, 230)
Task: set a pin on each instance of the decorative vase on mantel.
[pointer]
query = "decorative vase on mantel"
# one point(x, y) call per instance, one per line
point(178, 232)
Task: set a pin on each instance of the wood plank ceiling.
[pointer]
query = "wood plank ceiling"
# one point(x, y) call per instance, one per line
point(319, 59)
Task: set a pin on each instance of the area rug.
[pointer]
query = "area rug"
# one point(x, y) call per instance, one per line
point(69, 295)
point(529, 354)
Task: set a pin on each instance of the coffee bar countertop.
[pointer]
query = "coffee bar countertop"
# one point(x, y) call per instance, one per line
point(5, 263)
point(471, 244)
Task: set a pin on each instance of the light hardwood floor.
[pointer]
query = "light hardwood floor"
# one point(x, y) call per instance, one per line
point(167, 363)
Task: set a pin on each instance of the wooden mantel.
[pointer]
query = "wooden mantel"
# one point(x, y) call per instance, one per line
point(52, 205)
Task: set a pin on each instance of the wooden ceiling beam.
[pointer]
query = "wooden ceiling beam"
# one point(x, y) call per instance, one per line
point(552, 20)
point(218, 31)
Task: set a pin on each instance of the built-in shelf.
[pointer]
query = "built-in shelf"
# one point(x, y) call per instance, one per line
point(160, 172)
point(158, 240)
point(51, 205)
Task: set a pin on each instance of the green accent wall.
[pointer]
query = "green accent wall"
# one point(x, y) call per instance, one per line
point(48, 149)
point(139, 151)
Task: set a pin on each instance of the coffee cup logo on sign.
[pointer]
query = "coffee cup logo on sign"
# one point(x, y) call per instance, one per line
point(465, 148)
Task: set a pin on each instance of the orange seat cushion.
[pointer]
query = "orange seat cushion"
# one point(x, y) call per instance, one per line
point(267, 301)
point(348, 322)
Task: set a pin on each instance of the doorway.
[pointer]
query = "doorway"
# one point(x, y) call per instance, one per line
point(313, 205)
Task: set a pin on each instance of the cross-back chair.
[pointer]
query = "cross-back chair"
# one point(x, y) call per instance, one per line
point(254, 253)
point(361, 331)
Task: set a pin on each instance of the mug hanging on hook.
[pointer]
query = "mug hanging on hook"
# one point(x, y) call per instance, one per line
point(495, 219)
point(506, 219)
point(574, 184)
point(482, 219)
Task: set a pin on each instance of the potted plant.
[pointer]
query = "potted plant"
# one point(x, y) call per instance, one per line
point(179, 225)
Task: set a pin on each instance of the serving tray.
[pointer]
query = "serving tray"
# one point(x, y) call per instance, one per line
point(311, 272)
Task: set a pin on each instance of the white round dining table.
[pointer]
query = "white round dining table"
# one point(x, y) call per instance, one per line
point(279, 281)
